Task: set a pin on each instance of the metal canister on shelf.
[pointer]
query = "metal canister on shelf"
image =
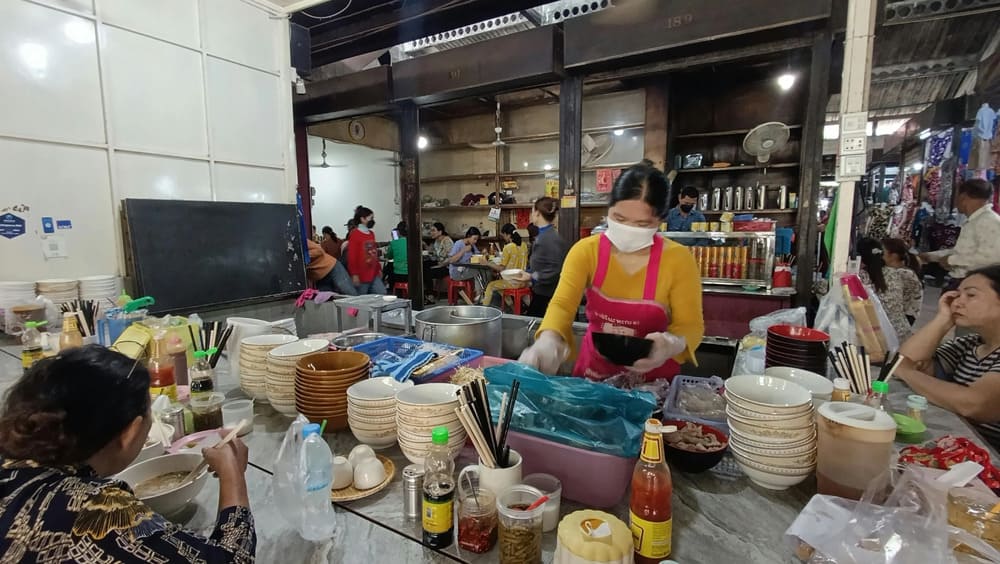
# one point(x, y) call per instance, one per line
point(413, 490)
point(703, 263)
point(761, 197)
point(750, 198)
point(716, 198)
point(783, 197)
point(727, 199)
point(743, 263)
point(703, 201)
point(738, 198)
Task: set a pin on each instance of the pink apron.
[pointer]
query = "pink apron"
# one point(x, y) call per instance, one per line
point(635, 318)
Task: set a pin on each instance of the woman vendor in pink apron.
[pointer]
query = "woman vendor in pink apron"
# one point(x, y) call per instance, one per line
point(637, 283)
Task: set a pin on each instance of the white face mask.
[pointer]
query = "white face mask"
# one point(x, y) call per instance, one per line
point(629, 239)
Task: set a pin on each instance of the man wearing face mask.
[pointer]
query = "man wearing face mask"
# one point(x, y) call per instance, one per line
point(637, 284)
point(681, 217)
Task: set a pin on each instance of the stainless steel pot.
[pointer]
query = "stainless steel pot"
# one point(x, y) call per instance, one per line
point(518, 334)
point(473, 327)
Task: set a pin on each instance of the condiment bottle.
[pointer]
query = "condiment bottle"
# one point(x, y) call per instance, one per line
point(650, 502)
point(841, 390)
point(916, 405)
point(202, 375)
point(161, 370)
point(439, 492)
point(70, 336)
point(123, 298)
point(178, 351)
point(31, 344)
point(879, 397)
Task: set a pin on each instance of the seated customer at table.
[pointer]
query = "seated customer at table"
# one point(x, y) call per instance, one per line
point(461, 253)
point(398, 255)
point(69, 424)
point(963, 374)
point(327, 273)
point(680, 217)
point(514, 255)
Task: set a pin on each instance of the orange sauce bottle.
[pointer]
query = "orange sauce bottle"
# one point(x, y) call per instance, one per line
point(161, 370)
point(650, 514)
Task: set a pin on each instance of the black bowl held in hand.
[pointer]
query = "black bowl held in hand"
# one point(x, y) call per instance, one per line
point(620, 349)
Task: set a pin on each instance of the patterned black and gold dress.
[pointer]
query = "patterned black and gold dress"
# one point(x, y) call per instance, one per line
point(50, 515)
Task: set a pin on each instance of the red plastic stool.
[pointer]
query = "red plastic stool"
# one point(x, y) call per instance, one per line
point(518, 295)
point(402, 289)
point(455, 285)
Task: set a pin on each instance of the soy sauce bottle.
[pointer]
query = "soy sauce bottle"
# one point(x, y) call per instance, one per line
point(438, 510)
point(202, 375)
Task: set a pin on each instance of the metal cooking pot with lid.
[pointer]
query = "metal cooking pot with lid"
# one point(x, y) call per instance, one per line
point(471, 327)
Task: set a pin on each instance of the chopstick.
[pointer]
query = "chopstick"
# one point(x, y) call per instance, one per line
point(895, 365)
point(853, 364)
point(502, 449)
point(202, 465)
point(475, 433)
point(221, 346)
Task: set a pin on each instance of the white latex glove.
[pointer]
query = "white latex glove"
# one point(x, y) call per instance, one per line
point(547, 354)
point(665, 347)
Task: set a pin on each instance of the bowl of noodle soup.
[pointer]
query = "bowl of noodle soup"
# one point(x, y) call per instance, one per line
point(159, 482)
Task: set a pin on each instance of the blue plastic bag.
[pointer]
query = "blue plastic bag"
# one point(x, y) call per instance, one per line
point(572, 411)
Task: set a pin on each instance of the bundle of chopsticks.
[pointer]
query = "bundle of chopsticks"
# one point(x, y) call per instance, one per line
point(862, 310)
point(786, 260)
point(87, 312)
point(474, 413)
point(441, 362)
point(212, 335)
point(854, 365)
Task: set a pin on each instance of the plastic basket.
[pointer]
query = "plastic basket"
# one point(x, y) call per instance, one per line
point(670, 410)
point(397, 344)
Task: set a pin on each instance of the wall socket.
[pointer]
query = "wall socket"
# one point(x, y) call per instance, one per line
point(852, 144)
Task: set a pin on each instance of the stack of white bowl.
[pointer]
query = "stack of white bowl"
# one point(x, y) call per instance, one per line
point(15, 294)
point(99, 288)
point(419, 410)
point(371, 410)
point(772, 430)
point(279, 382)
point(59, 290)
point(820, 387)
point(253, 362)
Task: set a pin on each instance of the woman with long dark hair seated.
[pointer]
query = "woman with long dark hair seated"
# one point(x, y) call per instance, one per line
point(69, 424)
point(898, 289)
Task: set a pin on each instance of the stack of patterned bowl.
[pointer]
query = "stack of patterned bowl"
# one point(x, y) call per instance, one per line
point(321, 384)
point(280, 380)
point(772, 429)
point(59, 290)
point(371, 410)
point(253, 362)
point(422, 408)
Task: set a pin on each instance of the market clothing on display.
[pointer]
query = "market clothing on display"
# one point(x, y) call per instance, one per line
point(978, 243)
point(903, 297)
point(362, 256)
point(53, 515)
point(986, 122)
point(663, 296)
point(680, 220)
point(513, 256)
point(546, 262)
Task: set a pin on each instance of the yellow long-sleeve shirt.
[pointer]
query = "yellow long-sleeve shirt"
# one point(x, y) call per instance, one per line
point(678, 288)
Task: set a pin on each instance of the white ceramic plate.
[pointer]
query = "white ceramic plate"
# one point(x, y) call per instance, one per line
point(299, 348)
point(819, 386)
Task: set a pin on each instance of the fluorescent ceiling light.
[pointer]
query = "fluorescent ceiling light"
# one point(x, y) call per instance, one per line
point(619, 132)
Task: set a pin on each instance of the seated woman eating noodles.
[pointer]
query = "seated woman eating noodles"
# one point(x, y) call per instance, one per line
point(514, 256)
point(67, 425)
point(963, 374)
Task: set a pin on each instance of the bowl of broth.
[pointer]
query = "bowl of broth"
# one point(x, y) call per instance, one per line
point(159, 482)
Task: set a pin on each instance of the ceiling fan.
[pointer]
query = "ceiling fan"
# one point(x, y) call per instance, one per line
point(324, 164)
point(498, 142)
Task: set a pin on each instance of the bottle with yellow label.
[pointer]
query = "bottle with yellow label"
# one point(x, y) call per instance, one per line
point(649, 504)
point(438, 510)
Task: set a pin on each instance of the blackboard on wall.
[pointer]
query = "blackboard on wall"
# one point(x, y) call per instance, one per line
point(191, 255)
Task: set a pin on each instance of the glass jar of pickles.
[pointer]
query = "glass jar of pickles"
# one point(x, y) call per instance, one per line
point(971, 510)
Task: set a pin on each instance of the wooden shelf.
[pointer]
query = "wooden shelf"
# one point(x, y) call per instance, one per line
point(722, 133)
point(477, 207)
point(754, 212)
point(460, 177)
point(736, 168)
point(595, 205)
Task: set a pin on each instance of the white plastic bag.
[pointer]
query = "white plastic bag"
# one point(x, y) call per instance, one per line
point(760, 325)
point(288, 484)
point(839, 319)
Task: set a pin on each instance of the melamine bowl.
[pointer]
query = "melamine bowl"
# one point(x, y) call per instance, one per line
point(333, 363)
point(819, 386)
point(428, 395)
point(798, 461)
point(768, 394)
point(793, 422)
point(375, 440)
point(265, 342)
point(770, 477)
point(770, 434)
point(377, 389)
point(798, 333)
point(363, 409)
point(299, 348)
point(751, 442)
point(173, 500)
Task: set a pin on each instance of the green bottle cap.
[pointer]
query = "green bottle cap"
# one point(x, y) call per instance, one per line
point(212, 350)
point(880, 387)
point(33, 324)
point(439, 435)
point(200, 354)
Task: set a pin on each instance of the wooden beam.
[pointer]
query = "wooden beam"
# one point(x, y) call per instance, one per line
point(570, 136)
point(302, 169)
point(379, 132)
point(657, 127)
point(409, 128)
point(811, 163)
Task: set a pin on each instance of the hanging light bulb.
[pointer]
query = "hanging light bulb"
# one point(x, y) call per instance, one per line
point(786, 81)
point(422, 142)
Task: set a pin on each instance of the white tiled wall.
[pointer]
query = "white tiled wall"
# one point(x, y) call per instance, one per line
point(110, 99)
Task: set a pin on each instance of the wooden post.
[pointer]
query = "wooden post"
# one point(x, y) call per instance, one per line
point(302, 170)
point(811, 163)
point(657, 111)
point(570, 130)
point(409, 182)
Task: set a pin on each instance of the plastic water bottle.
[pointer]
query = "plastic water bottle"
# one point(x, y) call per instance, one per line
point(318, 516)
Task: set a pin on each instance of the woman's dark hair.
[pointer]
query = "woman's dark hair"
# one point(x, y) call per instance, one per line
point(510, 229)
point(473, 232)
point(327, 230)
point(873, 259)
point(900, 248)
point(643, 182)
point(548, 207)
point(401, 229)
point(991, 272)
point(68, 407)
point(360, 212)
point(440, 227)
point(352, 224)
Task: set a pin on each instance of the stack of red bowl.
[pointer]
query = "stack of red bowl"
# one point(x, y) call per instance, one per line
point(797, 347)
point(321, 383)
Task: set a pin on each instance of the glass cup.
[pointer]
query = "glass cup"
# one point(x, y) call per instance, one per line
point(477, 520)
point(237, 410)
point(520, 530)
point(552, 487)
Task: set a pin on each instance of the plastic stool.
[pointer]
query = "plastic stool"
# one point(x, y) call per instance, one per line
point(455, 285)
point(403, 287)
point(518, 295)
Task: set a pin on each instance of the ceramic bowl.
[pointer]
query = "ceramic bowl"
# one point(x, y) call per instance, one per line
point(299, 348)
point(797, 422)
point(455, 432)
point(819, 386)
point(333, 363)
point(621, 350)
point(370, 429)
point(343, 473)
point(690, 461)
point(377, 441)
point(749, 442)
point(359, 453)
point(770, 477)
point(439, 418)
point(512, 274)
point(741, 411)
point(173, 500)
point(417, 454)
point(369, 472)
point(377, 390)
point(427, 395)
point(266, 342)
point(768, 394)
point(798, 333)
point(771, 434)
point(367, 411)
point(374, 423)
point(793, 461)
